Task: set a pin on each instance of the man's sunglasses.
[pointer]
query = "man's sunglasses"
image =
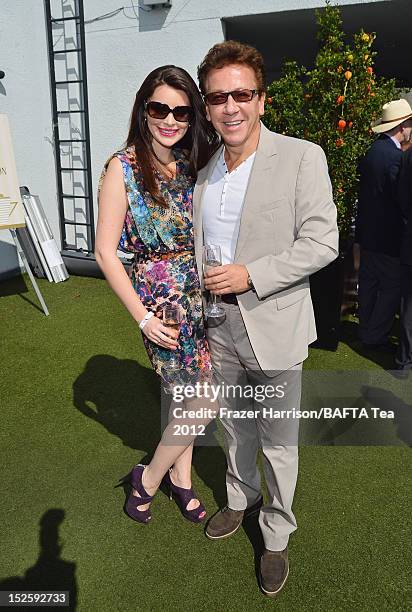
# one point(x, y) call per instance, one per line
point(239, 95)
point(157, 110)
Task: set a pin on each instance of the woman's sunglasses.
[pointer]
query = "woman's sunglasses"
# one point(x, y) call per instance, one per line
point(239, 95)
point(157, 110)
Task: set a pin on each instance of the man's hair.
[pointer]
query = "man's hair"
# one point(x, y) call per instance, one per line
point(228, 53)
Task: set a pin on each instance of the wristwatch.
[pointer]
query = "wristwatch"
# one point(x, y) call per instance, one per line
point(250, 283)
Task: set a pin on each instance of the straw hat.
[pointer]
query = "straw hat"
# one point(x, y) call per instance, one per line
point(393, 113)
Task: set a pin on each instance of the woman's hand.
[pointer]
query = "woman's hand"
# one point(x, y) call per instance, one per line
point(158, 333)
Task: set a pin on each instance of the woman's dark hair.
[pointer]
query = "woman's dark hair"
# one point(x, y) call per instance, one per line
point(200, 139)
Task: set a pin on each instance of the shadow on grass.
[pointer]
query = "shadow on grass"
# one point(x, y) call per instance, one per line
point(124, 397)
point(13, 286)
point(355, 429)
point(349, 335)
point(50, 572)
point(18, 286)
point(386, 400)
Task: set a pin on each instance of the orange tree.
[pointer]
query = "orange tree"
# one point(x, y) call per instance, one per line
point(333, 104)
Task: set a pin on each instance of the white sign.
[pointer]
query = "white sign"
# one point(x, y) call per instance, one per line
point(11, 208)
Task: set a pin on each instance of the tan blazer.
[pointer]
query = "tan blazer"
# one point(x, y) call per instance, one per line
point(287, 232)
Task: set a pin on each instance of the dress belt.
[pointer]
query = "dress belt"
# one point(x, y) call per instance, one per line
point(144, 257)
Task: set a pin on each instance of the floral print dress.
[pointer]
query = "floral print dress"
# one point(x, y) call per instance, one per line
point(164, 266)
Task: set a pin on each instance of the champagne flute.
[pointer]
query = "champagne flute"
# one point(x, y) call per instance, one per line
point(172, 317)
point(212, 257)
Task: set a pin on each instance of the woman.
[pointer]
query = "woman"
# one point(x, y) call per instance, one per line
point(145, 206)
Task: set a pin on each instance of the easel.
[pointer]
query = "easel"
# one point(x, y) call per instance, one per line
point(5, 203)
point(26, 266)
point(11, 208)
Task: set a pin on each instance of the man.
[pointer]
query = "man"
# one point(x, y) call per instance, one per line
point(266, 200)
point(379, 227)
point(404, 355)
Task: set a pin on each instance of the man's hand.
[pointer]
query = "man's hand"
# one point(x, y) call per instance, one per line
point(231, 278)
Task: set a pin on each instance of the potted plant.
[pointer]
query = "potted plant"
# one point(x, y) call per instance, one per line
point(333, 105)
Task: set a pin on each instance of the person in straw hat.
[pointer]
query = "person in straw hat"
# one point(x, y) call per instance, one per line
point(403, 360)
point(379, 226)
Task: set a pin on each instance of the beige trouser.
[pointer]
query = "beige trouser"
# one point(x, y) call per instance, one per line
point(234, 363)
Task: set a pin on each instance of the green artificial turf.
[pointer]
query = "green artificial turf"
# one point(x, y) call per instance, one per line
point(80, 406)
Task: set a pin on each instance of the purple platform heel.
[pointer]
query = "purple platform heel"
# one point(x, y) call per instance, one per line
point(135, 479)
point(182, 498)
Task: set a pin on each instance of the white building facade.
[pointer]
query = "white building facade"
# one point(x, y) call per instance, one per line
point(123, 44)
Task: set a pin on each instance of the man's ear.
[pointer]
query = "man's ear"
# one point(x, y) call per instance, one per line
point(262, 98)
point(207, 112)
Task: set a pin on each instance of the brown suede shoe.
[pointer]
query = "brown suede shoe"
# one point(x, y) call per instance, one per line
point(227, 521)
point(274, 570)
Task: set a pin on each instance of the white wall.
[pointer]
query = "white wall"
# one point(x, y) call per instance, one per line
point(121, 50)
point(25, 98)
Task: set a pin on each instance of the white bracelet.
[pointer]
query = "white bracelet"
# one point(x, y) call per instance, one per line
point(145, 319)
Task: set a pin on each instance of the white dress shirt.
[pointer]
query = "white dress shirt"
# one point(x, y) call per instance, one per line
point(395, 140)
point(222, 205)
